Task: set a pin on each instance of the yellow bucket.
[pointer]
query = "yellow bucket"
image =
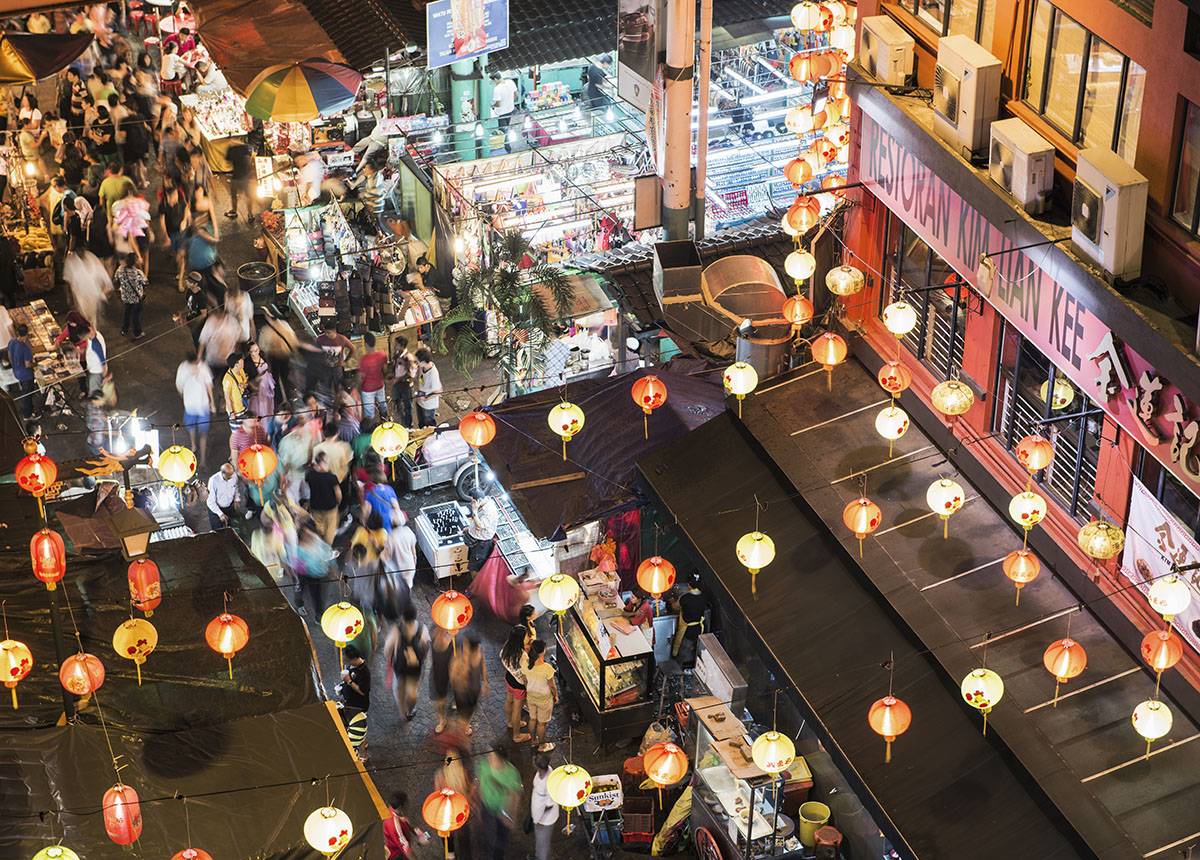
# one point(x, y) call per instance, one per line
point(813, 816)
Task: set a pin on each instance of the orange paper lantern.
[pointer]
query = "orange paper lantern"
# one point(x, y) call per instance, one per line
point(802, 69)
point(649, 393)
point(894, 378)
point(48, 555)
point(192, 854)
point(665, 764)
point(1162, 649)
point(81, 674)
point(1064, 659)
point(889, 717)
point(444, 812)
point(477, 428)
point(452, 611)
point(227, 634)
point(829, 350)
point(1034, 452)
point(862, 516)
point(656, 575)
point(256, 464)
point(798, 310)
point(802, 215)
point(1022, 567)
point(798, 171)
point(122, 812)
point(145, 586)
point(15, 663)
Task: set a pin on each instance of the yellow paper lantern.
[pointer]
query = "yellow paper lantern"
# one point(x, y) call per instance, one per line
point(1152, 720)
point(135, 640)
point(389, 440)
point(900, 318)
point(1063, 396)
point(559, 592)
point(952, 398)
point(1101, 540)
point(55, 852)
point(755, 551)
point(16, 662)
point(740, 379)
point(945, 497)
point(891, 423)
point(773, 752)
point(1169, 596)
point(341, 623)
point(845, 280)
point(569, 786)
point(565, 419)
point(328, 830)
point(177, 465)
point(800, 265)
point(1027, 509)
point(982, 689)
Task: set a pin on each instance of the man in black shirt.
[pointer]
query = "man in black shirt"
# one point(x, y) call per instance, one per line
point(324, 496)
point(692, 607)
point(241, 180)
point(433, 280)
point(355, 688)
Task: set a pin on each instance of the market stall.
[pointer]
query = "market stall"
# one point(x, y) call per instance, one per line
point(54, 364)
point(221, 117)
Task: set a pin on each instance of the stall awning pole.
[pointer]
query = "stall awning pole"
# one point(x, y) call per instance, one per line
point(677, 76)
point(706, 18)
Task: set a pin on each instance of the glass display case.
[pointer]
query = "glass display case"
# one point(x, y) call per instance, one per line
point(739, 804)
point(608, 669)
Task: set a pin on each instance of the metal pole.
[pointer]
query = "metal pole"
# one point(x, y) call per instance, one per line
point(706, 15)
point(387, 81)
point(678, 74)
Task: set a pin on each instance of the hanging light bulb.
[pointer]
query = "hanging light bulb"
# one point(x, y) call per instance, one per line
point(478, 130)
point(438, 137)
point(609, 115)
point(512, 135)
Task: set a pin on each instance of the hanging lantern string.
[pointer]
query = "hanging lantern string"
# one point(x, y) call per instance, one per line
point(986, 639)
point(4, 613)
point(891, 666)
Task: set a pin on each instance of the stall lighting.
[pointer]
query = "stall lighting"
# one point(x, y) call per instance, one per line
point(562, 126)
point(528, 124)
point(609, 115)
point(578, 112)
point(744, 81)
point(479, 129)
point(30, 168)
point(438, 137)
point(512, 135)
point(459, 245)
point(771, 96)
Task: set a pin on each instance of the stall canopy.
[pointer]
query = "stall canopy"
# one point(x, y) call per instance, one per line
point(949, 791)
point(553, 494)
point(29, 57)
point(188, 728)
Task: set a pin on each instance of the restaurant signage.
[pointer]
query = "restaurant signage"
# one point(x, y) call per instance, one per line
point(1020, 286)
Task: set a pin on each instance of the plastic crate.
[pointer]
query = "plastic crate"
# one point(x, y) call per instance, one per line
point(682, 712)
point(638, 815)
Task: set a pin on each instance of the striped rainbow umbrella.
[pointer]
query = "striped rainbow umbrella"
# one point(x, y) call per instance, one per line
point(304, 90)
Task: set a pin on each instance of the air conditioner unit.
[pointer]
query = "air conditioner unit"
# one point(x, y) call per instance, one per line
point(1021, 162)
point(966, 94)
point(885, 51)
point(1108, 212)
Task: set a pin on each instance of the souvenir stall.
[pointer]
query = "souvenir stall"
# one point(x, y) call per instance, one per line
point(21, 224)
point(54, 364)
point(565, 199)
point(221, 116)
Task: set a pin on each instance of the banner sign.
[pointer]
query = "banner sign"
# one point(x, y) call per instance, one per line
point(1154, 541)
point(1074, 339)
point(465, 29)
point(641, 43)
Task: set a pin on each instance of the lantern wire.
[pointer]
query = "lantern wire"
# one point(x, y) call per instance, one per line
point(891, 671)
point(4, 613)
point(187, 821)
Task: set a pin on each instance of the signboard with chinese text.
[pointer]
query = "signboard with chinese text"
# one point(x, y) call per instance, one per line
point(1155, 541)
point(465, 29)
point(1078, 343)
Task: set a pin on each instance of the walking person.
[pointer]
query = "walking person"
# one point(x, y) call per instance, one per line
point(541, 694)
point(131, 284)
point(20, 357)
point(398, 832)
point(400, 554)
point(406, 648)
point(370, 374)
point(311, 564)
point(515, 660)
point(355, 687)
point(96, 360)
point(468, 679)
point(403, 373)
point(427, 394)
point(262, 400)
point(194, 382)
point(233, 386)
point(88, 281)
point(500, 791)
point(441, 651)
point(324, 496)
point(543, 811)
point(222, 497)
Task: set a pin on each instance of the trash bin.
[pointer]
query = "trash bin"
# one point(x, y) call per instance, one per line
point(253, 276)
point(813, 816)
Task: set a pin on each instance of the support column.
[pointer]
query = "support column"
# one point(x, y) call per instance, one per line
point(677, 168)
point(702, 97)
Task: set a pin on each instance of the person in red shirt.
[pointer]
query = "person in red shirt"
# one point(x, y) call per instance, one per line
point(398, 832)
point(370, 376)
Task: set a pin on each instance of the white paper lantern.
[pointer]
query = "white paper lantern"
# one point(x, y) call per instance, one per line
point(800, 265)
point(1169, 596)
point(328, 830)
point(900, 318)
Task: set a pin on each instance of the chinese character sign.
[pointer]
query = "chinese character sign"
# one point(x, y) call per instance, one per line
point(1155, 541)
point(465, 29)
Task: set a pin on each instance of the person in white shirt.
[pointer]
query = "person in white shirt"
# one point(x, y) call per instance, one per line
point(241, 307)
point(194, 382)
point(212, 79)
point(427, 394)
point(542, 808)
point(481, 528)
point(400, 554)
point(222, 496)
point(96, 361)
point(504, 102)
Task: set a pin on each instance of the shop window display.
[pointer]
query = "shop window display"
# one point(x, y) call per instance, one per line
point(1033, 396)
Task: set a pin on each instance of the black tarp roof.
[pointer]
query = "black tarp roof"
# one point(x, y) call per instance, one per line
point(188, 728)
point(948, 793)
point(603, 455)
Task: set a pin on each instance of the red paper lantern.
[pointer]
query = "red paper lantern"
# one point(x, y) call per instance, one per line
point(122, 814)
point(889, 718)
point(49, 557)
point(798, 310)
point(191, 854)
point(1162, 649)
point(145, 586)
point(452, 611)
point(35, 473)
point(477, 428)
point(656, 575)
point(649, 393)
point(227, 634)
point(81, 674)
point(894, 378)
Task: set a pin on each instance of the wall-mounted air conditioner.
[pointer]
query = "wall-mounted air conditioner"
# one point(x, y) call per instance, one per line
point(885, 51)
point(1108, 212)
point(966, 94)
point(1021, 162)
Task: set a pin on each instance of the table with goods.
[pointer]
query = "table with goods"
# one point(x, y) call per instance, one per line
point(223, 122)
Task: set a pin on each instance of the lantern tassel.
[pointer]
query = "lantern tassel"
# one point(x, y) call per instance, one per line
point(1025, 542)
point(1018, 600)
point(41, 508)
point(138, 666)
point(1057, 683)
point(829, 378)
point(753, 592)
point(392, 464)
point(16, 707)
point(985, 724)
point(454, 644)
point(261, 499)
point(890, 443)
point(341, 665)
point(229, 660)
point(740, 406)
point(1157, 682)
point(887, 752)
point(446, 846)
point(860, 547)
point(660, 805)
point(1148, 749)
point(945, 528)
point(645, 426)
point(564, 441)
